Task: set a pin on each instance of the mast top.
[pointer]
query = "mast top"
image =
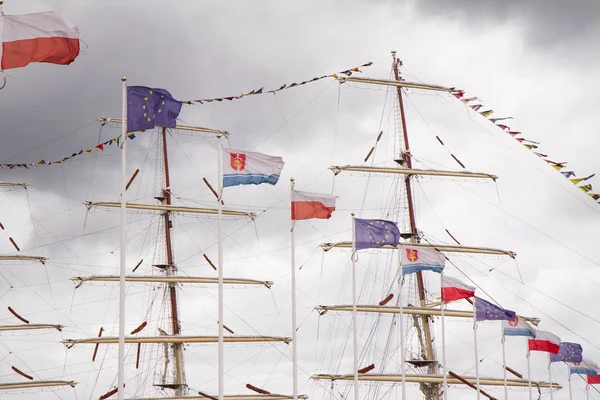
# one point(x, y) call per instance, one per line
point(123, 78)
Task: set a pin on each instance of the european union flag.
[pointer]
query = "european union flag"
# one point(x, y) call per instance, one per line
point(148, 107)
point(373, 233)
point(484, 310)
point(568, 352)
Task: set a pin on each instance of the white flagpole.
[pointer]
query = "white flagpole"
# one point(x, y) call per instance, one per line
point(475, 345)
point(529, 370)
point(570, 391)
point(504, 363)
point(550, 377)
point(587, 391)
point(354, 328)
point(294, 347)
point(445, 367)
point(402, 344)
point(220, 268)
point(121, 372)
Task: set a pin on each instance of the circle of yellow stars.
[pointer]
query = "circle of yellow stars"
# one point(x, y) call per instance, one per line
point(387, 227)
point(146, 98)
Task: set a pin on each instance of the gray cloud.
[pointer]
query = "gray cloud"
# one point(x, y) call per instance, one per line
point(544, 23)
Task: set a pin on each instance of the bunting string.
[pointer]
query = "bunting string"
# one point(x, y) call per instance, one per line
point(261, 90)
point(98, 147)
point(475, 104)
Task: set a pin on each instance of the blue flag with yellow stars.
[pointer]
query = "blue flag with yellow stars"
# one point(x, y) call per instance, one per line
point(148, 107)
point(568, 352)
point(373, 233)
point(486, 311)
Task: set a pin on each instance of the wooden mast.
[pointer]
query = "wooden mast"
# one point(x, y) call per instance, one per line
point(179, 384)
point(406, 157)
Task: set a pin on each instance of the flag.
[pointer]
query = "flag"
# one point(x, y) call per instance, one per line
point(484, 311)
point(545, 341)
point(416, 260)
point(249, 168)
point(593, 380)
point(453, 289)
point(517, 327)
point(307, 205)
point(373, 233)
point(578, 180)
point(568, 352)
point(42, 37)
point(148, 107)
point(585, 367)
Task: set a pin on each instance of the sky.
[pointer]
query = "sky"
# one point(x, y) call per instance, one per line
point(533, 61)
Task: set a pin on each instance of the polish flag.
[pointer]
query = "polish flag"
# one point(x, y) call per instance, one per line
point(593, 380)
point(307, 205)
point(42, 37)
point(453, 289)
point(545, 341)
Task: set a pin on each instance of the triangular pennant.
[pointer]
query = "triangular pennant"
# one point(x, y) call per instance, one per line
point(494, 120)
point(100, 147)
point(586, 188)
point(487, 113)
point(476, 106)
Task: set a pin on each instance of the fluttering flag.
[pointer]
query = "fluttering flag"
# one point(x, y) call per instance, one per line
point(568, 174)
point(586, 188)
point(578, 180)
point(568, 352)
point(453, 289)
point(486, 113)
point(417, 259)
point(46, 37)
point(544, 341)
point(503, 127)
point(486, 311)
point(584, 367)
point(149, 107)
point(517, 327)
point(307, 205)
point(476, 106)
point(466, 100)
point(374, 233)
point(593, 380)
point(250, 168)
point(494, 120)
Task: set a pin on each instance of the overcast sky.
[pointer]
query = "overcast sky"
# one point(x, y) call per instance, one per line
point(536, 62)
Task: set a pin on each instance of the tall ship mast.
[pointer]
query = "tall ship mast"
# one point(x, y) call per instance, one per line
point(25, 379)
point(171, 381)
point(421, 366)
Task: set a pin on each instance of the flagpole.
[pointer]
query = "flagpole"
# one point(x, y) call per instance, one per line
point(529, 370)
point(354, 329)
point(475, 345)
point(504, 363)
point(294, 347)
point(445, 367)
point(220, 268)
point(402, 344)
point(121, 372)
point(550, 377)
point(570, 391)
point(587, 391)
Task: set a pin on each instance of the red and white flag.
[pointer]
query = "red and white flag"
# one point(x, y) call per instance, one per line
point(453, 289)
point(545, 341)
point(42, 37)
point(307, 205)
